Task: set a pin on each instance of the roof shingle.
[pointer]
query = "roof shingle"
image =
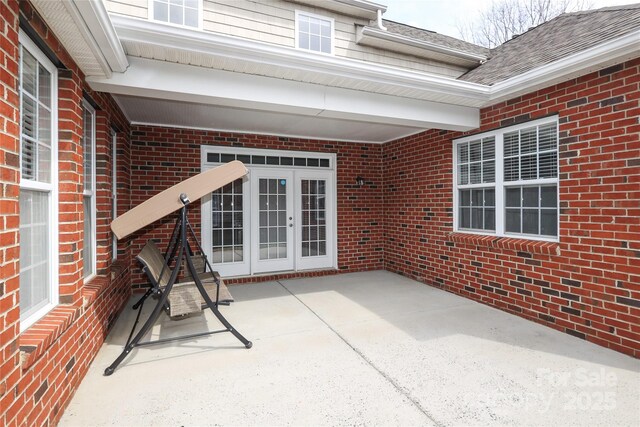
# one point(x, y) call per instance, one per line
point(562, 36)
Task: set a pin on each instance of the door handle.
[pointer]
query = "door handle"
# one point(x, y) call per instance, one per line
point(291, 225)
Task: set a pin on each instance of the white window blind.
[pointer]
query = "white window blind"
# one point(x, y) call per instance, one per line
point(38, 183)
point(89, 196)
point(507, 181)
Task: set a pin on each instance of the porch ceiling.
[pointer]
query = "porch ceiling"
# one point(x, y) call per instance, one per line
point(158, 92)
point(142, 110)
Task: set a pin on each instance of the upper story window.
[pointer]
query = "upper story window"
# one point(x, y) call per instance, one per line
point(178, 12)
point(314, 33)
point(38, 183)
point(506, 181)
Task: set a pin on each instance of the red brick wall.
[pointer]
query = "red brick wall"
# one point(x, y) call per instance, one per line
point(9, 207)
point(42, 367)
point(161, 157)
point(590, 287)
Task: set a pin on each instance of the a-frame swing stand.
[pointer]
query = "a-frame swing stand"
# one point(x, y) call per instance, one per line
point(179, 248)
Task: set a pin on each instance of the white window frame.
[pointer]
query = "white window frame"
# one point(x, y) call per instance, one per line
point(332, 224)
point(500, 185)
point(114, 190)
point(92, 194)
point(322, 17)
point(51, 188)
point(200, 16)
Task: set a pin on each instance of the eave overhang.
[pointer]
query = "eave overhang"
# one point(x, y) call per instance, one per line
point(157, 41)
point(86, 31)
point(609, 53)
point(375, 37)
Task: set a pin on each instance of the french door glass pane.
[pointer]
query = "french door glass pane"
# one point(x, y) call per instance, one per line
point(314, 214)
point(272, 213)
point(34, 250)
point(227, 223)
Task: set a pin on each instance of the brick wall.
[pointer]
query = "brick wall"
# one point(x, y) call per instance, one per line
point(9, 207)
point(161, 157)
point(42, 367)
point(588, 285)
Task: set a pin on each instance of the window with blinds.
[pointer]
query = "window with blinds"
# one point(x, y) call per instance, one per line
point(89, 195)
point(476, 184)
point(38, 183)
point(506, 181)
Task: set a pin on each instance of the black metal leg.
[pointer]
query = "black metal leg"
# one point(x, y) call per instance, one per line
point(154, 315)
point(141, 333)
point(213, 306)
point(141, 300)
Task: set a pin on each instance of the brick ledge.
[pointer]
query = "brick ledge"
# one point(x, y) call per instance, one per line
point(521, 245)
point(35, 341)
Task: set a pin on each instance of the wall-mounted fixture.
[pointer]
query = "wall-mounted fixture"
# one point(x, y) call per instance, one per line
point(359, 181)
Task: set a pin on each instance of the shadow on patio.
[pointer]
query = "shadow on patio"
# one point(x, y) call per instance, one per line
point(362, 348)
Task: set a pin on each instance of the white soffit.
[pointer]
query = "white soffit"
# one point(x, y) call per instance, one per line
point(85, 30)
point(64, 26)
point(162, 80)
point(202, 116)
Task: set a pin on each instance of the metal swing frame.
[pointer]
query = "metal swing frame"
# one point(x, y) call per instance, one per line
point(179, 249)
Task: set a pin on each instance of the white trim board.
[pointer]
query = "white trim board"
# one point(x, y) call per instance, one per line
point(237, 90)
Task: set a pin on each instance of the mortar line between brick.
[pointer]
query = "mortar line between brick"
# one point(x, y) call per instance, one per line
point(368, 361)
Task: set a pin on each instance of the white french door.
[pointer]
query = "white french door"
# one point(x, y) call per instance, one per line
point(314, 219)
point(272, 220)
point(280, 217)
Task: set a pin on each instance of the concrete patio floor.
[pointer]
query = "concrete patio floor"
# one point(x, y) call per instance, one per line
point(369, 348)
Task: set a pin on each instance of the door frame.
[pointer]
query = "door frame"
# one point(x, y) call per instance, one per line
point(228, 269)
point(278, 264)
point(242, 154)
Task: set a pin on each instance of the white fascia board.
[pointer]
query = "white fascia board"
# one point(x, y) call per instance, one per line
point(219, 45)
point(157, 79)
point(98, 23)
point(378, 108)
point(581, 63)
point(373, 34)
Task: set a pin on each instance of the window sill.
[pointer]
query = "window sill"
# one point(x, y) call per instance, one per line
point(97, 284)
point(512, 243)
point(36, 340)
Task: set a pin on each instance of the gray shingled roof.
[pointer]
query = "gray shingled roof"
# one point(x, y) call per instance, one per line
point(564, 35)
point(433, 37)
